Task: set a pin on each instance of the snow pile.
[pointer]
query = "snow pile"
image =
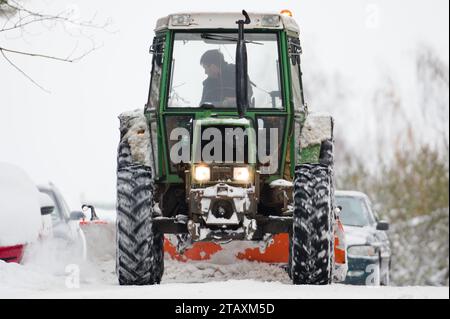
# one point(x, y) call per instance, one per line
point(195, 272)
point(20, 216)
point(420, 250)
point(100, 241)
point(223, 266)
point(43, 267)
point(49, 265)
point(16, 276)
point(317, 128)
point(137, 135)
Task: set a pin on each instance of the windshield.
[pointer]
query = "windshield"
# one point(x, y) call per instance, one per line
point(203, 70)
point(354, 211)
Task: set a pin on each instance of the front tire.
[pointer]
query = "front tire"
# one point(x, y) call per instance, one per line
point(140, 251)
point(312, 237)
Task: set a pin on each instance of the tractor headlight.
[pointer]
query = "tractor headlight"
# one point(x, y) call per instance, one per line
point(241, 174)
point(362, 251)
point(202, 173)
point(270, 21)
point(181, 20)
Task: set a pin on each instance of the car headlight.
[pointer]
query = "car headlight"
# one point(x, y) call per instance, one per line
point(202, 173)
point(241, 174)
point(362, 251)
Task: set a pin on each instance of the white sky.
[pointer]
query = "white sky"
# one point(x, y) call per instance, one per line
point(70, 136)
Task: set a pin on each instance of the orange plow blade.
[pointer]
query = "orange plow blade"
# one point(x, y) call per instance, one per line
point(340, 248)
point(277, 252)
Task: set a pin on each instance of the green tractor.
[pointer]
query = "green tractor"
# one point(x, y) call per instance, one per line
point(226, 149)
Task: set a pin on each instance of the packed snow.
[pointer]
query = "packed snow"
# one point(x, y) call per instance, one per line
point(186, 280)
point(48, 272)
point(137, 136)
point(20, 219)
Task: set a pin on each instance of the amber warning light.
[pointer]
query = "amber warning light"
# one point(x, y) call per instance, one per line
point(286, 13)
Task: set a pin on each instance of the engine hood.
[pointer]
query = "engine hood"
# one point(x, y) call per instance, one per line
point(213, 133)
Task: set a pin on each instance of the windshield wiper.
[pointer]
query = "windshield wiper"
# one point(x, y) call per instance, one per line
point(217, 37)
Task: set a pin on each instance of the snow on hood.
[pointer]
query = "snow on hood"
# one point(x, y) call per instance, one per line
point(358, 235)
point(20, 213)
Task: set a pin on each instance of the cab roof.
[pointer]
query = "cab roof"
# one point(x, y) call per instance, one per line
point(226, 20)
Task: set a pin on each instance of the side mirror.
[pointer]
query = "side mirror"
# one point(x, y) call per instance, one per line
point(157, 49)
point(383, 225)
point(77, 215)
point(47, 204)
point(47, 210)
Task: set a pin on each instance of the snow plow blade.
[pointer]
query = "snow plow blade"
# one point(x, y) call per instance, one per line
point(277, 252)
point(100, 238)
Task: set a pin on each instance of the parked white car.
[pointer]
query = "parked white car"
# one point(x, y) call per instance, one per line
point(32, 214)
point(20, 218)
point(65, 224)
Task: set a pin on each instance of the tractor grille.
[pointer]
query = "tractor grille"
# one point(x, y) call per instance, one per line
point(233, 148)
point(221, 173)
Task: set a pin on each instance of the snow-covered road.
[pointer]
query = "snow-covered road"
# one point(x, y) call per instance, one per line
point(50, 279)
point(233, 289)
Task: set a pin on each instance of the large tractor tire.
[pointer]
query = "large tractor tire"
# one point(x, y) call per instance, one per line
point(140, 249)
point(312, 237)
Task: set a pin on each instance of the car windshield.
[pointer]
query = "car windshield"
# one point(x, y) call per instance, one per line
point(354, 211)
point(203, 70)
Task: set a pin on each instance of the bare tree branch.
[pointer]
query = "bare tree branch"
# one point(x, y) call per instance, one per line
point(32, 17)
point(68, 59)
point(22, 72)
point(19, 20)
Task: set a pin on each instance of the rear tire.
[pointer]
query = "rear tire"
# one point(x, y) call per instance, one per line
point(140, 251)
point(312, 237)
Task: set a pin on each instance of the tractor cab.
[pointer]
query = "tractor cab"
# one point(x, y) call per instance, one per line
point(196, 67)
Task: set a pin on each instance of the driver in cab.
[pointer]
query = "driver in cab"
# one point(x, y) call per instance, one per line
point(219, 88)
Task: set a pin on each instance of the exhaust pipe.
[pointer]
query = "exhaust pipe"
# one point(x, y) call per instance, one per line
point(241, 67)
